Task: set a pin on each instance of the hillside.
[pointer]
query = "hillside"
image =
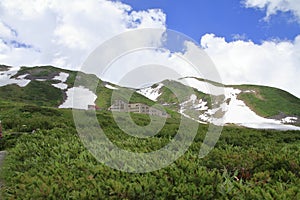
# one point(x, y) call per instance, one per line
point(242, 105)
point(269, 102)
point(47, 159)
point(50, 86)
point(245, 105)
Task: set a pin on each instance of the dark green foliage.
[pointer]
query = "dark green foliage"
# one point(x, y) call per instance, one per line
point(47, 160)
point(9, 141)
point(42, 110)
point(52, 163)
point(39, 93)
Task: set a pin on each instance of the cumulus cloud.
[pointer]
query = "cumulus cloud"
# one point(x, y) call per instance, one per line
point(272, 63)
point(273, 6)
point(63, 33)
point(143, 57)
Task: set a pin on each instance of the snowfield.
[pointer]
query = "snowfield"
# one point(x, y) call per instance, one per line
point(79, 98)
point(6, 78)
point(61, 86)
point(151, 93)
point(193, 104)
point(63, 78)
point(240, 114)
point(235, 110)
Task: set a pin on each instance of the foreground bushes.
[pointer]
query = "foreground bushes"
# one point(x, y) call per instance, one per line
point(245, 164)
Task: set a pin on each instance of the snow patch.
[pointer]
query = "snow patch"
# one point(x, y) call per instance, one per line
point(151, 93)
point(79, 98)
point(187, 116)
point(201, 106)
point(62, 76)
point(111, 87)
point(41, 79)
point(248, 91)
point(61, 86)
point(6, 78)
point(289, 120)
point(239, 113)
point(193, 105)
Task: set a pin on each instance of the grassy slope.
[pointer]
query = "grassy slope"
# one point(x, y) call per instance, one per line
point(268, 101)
point(43, 94)
point(183, 92)
point(39, 93)
point(53, 163)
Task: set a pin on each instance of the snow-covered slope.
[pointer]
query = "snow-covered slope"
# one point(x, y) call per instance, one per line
point(151, 92)
point(76, 97)
point(238, 113)
point(231, 110)
point(79, 97)
point(6, 78)
point(62, 77)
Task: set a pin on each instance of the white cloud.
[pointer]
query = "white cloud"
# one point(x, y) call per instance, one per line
point(144, 66)
point(147, 66)
point(273, 63)
point(63, 33)
point(5, 31)
point(273, 6)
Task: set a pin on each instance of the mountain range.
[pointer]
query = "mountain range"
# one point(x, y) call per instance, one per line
point(252, 106)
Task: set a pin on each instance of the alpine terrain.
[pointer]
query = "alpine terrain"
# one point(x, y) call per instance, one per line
point(256, 156)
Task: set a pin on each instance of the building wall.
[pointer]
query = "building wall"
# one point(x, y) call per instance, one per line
point(121, 106)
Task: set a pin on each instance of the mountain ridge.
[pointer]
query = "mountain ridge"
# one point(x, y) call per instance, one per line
point(52, 86)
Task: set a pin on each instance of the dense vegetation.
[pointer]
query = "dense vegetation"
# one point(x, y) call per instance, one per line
point(36, 92)
point(52, 162)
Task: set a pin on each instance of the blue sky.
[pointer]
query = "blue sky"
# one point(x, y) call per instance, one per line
point(249, 41)
point(224, 18)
